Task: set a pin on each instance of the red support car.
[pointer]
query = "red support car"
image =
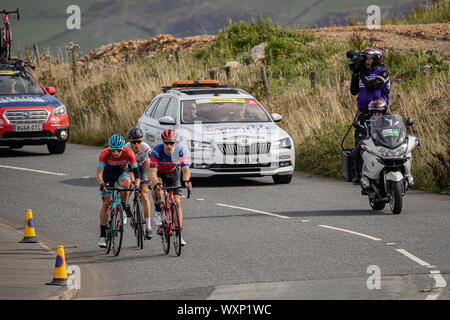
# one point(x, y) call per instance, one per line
point(29, 114)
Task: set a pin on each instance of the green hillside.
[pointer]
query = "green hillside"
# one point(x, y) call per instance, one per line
point(104, 21)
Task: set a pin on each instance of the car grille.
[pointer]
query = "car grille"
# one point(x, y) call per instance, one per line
point(38, 116)
point(24, 135)
point(238, 167)
point(236, 149)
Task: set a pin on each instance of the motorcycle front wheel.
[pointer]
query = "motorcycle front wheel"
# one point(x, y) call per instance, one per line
point(396, 197)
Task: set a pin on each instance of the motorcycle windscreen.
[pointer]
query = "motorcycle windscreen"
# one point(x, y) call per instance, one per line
point(388, 130)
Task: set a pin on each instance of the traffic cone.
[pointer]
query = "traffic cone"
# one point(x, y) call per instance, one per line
point(29, 232)
point(60, 274)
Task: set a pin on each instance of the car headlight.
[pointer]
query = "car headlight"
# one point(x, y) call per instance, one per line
point(283, 143)
point(201, 145)
point(393, 153)
point(59, 111)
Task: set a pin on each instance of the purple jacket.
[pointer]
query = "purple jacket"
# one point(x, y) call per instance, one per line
point(374, 84)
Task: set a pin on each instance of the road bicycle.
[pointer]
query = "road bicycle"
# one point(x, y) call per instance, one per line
point(114, 227)
point(137, 219)
point(6, 35)
point(169, 219)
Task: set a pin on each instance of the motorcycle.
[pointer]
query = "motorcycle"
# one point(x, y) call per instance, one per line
point(386, 153)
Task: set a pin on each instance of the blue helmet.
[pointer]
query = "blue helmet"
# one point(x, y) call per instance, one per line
point(116, 141)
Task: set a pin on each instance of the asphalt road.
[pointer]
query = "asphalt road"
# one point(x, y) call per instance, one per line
point(315, 238)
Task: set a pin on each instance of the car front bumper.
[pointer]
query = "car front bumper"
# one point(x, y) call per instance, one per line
point(237, 171)
point(33, 138)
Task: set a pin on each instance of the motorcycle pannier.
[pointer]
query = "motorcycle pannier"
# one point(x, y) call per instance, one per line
point(347, 164)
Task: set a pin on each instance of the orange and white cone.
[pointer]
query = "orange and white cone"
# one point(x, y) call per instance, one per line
point(29, 232)
point(60, 274)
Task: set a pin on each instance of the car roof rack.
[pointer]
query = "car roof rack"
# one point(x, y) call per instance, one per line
point(194, 84)
point(16, 63)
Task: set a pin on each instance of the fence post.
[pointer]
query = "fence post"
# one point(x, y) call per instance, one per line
point(72, 47)
point(27, 52)
point(228, 72)
point(213, 74)
point(313, 80)
point(264, 79)
point(177, 58)
point(36, 53)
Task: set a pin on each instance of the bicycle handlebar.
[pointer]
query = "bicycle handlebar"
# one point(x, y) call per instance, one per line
point(9, 12)
point(119, 189)
point(169, 188)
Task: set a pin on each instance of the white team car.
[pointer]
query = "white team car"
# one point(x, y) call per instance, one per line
point(225, 130)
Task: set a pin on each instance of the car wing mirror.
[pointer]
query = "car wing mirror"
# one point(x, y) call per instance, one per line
point(409, 122)
point(168, 120)
point(276, 117)
point(50, 90)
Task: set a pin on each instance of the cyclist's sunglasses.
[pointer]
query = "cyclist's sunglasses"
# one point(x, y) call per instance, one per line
point(118, 150)
point(136, 141)
point(170, 143)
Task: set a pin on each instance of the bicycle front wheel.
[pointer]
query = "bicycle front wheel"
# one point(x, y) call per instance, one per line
point(108, 235)
point(176, 229)
point(165, 238)
point(117, 233)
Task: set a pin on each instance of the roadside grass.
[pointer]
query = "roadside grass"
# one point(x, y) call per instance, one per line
point(109, 99)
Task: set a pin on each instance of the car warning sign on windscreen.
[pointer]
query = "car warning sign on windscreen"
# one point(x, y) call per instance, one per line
point(8, 72)
point(229, 100)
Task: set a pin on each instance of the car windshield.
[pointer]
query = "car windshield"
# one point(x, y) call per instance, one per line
point(17, 83)
point(218, 110)
point(388, 130)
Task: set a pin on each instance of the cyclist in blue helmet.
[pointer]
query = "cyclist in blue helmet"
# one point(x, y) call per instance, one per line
point(113, 167)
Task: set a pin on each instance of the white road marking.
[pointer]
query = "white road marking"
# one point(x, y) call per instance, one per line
point(413, 257)
point(440, 284)
point(252, 210)
point(33, 170)
point(305, 220)
point(352, 232)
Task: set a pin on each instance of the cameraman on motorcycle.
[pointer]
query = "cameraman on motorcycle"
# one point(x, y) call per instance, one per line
point(369, 81)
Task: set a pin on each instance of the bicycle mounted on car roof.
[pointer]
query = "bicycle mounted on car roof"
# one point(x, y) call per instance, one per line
point(6, 35)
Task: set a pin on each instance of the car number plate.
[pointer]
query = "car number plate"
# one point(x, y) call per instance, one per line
point(246, 160)
point(27, 127)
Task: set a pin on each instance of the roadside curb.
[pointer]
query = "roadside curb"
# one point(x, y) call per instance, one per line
point(65, 294)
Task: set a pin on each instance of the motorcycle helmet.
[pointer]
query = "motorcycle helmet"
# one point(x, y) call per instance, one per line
point(378, 105)
point(374, 53)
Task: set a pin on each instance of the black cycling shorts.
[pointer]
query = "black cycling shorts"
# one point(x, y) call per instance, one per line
point(172, 180)
point(110, 177)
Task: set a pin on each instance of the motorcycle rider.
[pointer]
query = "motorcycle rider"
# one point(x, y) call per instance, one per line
point(376, 109)
point(369, 81)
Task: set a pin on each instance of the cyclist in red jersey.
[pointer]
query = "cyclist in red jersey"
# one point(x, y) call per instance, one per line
point(164, 161)
point(113, 167)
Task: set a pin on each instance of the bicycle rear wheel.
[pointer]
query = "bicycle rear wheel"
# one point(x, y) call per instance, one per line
point(117, 233)
point(165, 238)
point(2, 45)
point(138, 220)
point(8, 43)
point(176, 229)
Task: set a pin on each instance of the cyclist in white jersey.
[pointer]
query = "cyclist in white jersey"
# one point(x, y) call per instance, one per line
point(142, 152)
